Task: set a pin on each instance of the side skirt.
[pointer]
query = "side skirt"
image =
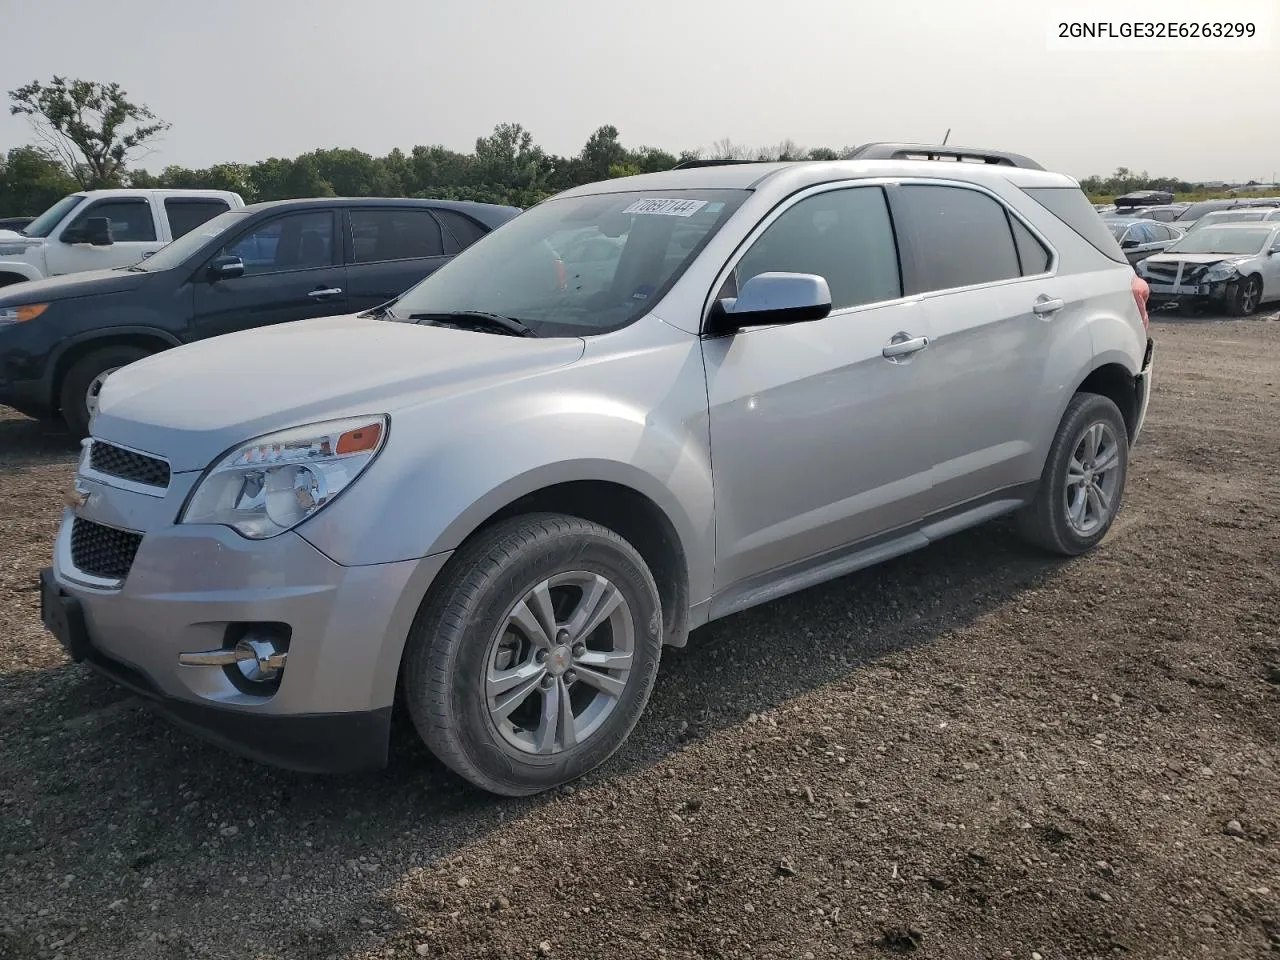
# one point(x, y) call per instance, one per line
point(794, 577)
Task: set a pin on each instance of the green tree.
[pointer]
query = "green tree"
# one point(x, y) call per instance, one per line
point(31, 182)
point(92, 129)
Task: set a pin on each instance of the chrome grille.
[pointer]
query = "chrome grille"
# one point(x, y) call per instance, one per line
point(116, 461)
point(103, 551)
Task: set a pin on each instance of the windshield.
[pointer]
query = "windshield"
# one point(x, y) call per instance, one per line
point(1232, 241)
point(1227, 216)
point(176, 253)
point(43, 225)
point(577, 266)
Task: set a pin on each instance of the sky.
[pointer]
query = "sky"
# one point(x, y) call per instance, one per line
point(241, 80)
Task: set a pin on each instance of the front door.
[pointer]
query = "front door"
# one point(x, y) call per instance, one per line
point(818, 440)
point(293, 271)
point(133, 234)
point(392, 248)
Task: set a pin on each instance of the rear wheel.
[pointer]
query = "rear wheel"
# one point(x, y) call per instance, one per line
point(535, 655)
point(1245, 298)
point(83, 382)
point(1083, 480)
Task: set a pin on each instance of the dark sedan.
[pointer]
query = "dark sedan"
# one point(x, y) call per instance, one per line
point(267, 263)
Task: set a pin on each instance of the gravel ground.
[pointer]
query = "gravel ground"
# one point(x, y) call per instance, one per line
point(972, 751)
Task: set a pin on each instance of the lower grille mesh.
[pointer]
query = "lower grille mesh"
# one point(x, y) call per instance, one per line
point(103, 551)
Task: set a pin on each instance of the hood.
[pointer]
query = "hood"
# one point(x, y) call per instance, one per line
point(192, 403)
point(10, 235)
point(90, 283)
point(1201, 258)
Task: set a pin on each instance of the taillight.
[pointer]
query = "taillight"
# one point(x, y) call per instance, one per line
point(1141, 292)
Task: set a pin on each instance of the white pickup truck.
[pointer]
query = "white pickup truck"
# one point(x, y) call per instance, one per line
point(101, 229)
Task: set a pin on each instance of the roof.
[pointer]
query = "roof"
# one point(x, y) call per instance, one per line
point(801, 173)
point(490, 214)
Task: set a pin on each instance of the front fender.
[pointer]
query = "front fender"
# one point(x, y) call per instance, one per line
point(460, 465)
point(23, 269)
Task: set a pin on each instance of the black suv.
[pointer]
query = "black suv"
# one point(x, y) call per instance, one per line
point(266, 263)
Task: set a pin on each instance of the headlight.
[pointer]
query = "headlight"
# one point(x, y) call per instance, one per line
point(21, 314)
point(273, 483)
point(1220, 271)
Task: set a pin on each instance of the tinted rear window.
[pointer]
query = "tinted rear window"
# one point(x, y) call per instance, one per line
point(1072, 207)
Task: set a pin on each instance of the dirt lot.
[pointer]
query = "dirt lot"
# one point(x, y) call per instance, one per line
point(969, 752)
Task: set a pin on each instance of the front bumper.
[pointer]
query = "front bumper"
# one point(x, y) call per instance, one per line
point(1202, 293)
point(311, 743)
point(193, 589)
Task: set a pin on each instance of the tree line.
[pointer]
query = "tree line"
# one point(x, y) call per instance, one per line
point(91, 135)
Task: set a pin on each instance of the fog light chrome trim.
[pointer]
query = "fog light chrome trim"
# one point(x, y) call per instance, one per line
point(257, 660)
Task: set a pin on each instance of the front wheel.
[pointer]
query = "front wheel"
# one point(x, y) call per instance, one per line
point(1083, 480)
point(534, 656)
point(83, 383)
point(1245, 298)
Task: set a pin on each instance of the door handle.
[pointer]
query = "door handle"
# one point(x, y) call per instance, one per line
point(1044, 306)
point(324, 292)
point(903, 345)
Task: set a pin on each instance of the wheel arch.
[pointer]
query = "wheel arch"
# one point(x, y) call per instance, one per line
point(73, 350)
point(617, 502)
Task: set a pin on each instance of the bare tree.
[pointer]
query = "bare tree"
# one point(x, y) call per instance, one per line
point(92, 129)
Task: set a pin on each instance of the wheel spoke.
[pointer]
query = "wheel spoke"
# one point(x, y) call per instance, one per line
point(601, 681)
point(1091, 442)
point(500, 681)
point(1095, 504)
point(1076, 510)
point(568, 723)
point(1107, 460)
point(1103, 499)
point(1075, 472)
point(599, 599)
point(544, 738)
point(530, 622)
point(605, 659)
point(505, 705)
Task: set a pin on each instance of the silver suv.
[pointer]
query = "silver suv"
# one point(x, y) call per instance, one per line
point(493, 500)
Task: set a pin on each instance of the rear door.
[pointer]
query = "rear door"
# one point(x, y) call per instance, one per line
point(983, 274)
point(390, 250)
point(293, 271)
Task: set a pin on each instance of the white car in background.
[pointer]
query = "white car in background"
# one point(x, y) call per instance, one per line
point(1235, 266)
point(104, 230)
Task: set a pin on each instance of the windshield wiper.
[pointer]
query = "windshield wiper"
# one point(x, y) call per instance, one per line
point(475, 318)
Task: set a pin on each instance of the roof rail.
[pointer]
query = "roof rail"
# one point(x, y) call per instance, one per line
point(926, 151)
point(689, 164)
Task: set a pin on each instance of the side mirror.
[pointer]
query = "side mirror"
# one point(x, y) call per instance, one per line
point(225, 268)
point(772, 298)
point(97, 231)
point(1128, 243)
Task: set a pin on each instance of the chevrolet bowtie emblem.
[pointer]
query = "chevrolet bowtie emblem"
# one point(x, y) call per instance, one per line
point(77, 496)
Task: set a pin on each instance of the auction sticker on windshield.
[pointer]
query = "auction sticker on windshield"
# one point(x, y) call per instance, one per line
point(666, 208)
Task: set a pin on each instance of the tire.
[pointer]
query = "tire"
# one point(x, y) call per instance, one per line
point(1049, 521)
point(1245, 297)
point(73, 394)
point(464, 652)
point(9, 279)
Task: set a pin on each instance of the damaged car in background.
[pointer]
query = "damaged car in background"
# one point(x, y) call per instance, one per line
point(1231, 266)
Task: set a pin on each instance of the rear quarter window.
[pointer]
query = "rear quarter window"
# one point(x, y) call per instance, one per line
point(1072, 207)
